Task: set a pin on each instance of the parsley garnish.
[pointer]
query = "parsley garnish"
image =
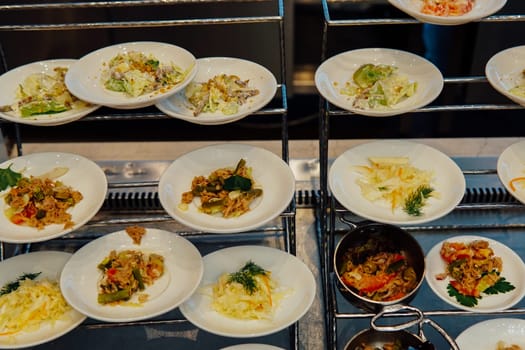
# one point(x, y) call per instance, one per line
point(245, 276)
point(12, 286)
point(501, 286)
point(8, 177)
point(416, 200)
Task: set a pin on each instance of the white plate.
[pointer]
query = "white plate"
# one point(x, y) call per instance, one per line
point(481, 9)
point(511, 164)
point(50, 264)
point(252, 346)
point(449, 181)
point(259, 77)
point(504, 71)
point(513, 271)
point(289, 272)
point(9, 82)
point(333, 73)
point(486, 334)
point(269, 171)
point(84, 77)
point(83, 175)
point(183, 272)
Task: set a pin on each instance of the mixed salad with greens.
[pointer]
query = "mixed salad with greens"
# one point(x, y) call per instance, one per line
point(135, 73)
point(44, 93)
point(378, 87)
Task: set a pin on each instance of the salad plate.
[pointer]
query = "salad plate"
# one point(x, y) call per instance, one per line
point(183, 272)
point(82, 175)
point(513, 272)
point(86, 78)
point(49, 264)
point(485, 335)
point(333, 74)
point(290, 274)
point(269, 172)
point(511, 167)
point(480, 9)
point(448, 181)
point(257, 77)
point(10, 82)
point(505, 70)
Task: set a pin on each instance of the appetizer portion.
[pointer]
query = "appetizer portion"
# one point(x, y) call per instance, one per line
point(378, 86)
point(502, 346)
point(226, 191)
point(249, 293)
point(223, 93)
point(43, 93)
point(127, 273)
point(519, 89)
point(28, 302)
point(135, 73)
point(447, 7)
point(474, 271)
point(378, 273)
point(396, 181)
point(38, 201)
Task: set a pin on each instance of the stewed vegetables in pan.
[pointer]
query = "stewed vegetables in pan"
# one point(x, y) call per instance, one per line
point(378, 273)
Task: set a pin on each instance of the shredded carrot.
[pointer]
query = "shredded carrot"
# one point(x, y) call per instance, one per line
point(514, 180)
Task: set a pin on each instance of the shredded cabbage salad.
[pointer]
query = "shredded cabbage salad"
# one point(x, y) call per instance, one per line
point(223, 93)
point(135, 73)
point(32, 303)
point(42, 93)
point(249, 293)
point(396, 181)
point(378, 87)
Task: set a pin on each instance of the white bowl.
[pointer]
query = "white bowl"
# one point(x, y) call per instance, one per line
point(504, 71)
point(10, 80)
point(83, 175)
point(333, 73)
point(258, 77)
point(269, 171)
point(481, 9)
point(84, 77)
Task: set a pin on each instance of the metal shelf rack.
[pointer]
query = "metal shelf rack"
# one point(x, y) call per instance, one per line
point(341, 317)
point(279, 233)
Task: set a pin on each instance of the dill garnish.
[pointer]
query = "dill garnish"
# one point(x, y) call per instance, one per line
point(12, 286)
point(416, 200)
point(245, 276)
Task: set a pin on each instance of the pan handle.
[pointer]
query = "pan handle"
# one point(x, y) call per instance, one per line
point(441, 331)
point(391, 309)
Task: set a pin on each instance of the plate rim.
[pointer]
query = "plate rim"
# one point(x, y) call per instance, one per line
point(134, 102)
point(384, 143)
point(491, 73)
point(233, 250)
point(378, 50)
point(433, 252)
point(100, 241)
point(163, 106)
point(447, 20)
point(96, 169)
point(502, 174)
point(54, 118)
point(76, 318)
point(231, 228)
point(463, 336)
